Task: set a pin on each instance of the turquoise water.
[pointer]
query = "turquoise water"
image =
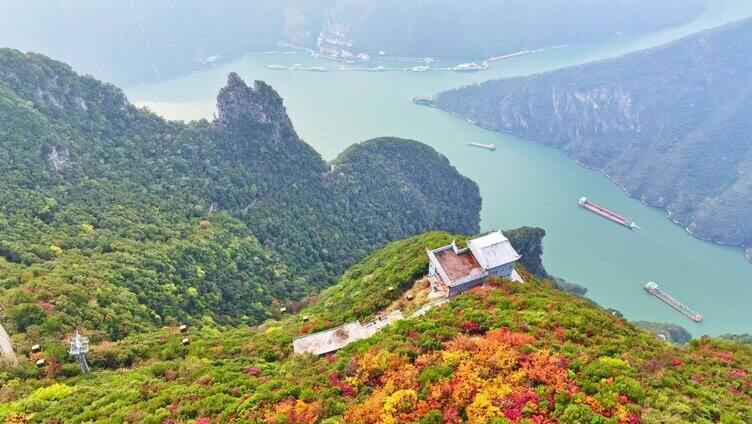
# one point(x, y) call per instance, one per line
point(522, 182)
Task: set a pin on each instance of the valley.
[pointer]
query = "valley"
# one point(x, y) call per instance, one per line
point(344, 235)
point(522, 183)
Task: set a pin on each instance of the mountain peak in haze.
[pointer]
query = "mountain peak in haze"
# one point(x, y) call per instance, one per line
point(237, 101)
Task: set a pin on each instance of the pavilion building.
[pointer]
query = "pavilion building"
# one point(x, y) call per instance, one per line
point(455, 270)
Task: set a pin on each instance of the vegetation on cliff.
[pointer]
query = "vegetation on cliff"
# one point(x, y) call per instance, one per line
point(116, 221)
point(669, 332)
point(507, 352)
point(740, 338)
point(669, 124)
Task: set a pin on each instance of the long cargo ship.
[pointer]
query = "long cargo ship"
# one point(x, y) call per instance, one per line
point(592, 207)
point(653, 289)
point(491, 147)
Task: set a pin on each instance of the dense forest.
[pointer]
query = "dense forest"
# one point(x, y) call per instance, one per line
point(146, 41)
point(116, 221)
point(669, 124)
point(503, 353)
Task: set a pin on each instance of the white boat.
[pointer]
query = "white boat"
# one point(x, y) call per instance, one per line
point(490, 146)
point(467, 67)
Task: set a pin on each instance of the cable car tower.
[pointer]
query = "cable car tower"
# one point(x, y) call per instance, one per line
point(79, 347)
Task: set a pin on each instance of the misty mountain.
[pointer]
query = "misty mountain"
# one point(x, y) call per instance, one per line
point(670, 124)
point(459, 30)
point(137, 41)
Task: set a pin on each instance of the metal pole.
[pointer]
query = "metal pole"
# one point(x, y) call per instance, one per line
point(79, 346)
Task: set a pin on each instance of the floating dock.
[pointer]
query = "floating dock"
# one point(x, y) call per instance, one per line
point(653, 289)
point(592, 207)
point(490, 147)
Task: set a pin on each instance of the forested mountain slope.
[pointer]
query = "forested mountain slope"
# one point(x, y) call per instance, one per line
point(670, 124)
point(115, 220)
point(504, 353)
point(146, 41)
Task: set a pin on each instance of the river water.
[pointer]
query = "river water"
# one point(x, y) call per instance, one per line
point(522, 182)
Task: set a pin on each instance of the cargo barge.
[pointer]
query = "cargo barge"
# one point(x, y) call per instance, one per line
point(592, 207)
point(491, 147)
point(653, 289)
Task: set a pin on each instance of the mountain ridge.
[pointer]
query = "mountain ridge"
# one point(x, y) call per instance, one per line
point(115, 220)
point(506, 352)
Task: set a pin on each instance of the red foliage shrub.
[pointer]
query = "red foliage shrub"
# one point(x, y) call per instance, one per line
point(451, 415)
point(47, 307)
point(341, 385)
point(634, 418)
point(724, 357)
point(305, 329)
point(651, 366)
point(205, 382)
point(470, 326)
point(515, 340)
point(559, 332)
point(737, 373)
point(252, 371)
point(516, 401)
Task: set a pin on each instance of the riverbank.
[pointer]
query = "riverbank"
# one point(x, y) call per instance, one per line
point(522, 183)
point(429, 101)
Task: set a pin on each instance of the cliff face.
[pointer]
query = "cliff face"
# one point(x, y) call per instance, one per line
point(528, 242)
point(669, 124)
point(237, 101)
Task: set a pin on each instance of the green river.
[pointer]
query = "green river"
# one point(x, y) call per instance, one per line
point(522, 182)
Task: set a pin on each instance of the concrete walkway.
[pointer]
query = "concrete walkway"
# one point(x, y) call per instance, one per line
point(428, 306)
point(6, 349)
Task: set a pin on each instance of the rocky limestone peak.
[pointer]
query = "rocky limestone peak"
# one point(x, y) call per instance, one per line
point(260, 104)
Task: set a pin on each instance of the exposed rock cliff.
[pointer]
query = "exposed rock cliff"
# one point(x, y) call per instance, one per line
point(528, 242)
point(238, 101)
